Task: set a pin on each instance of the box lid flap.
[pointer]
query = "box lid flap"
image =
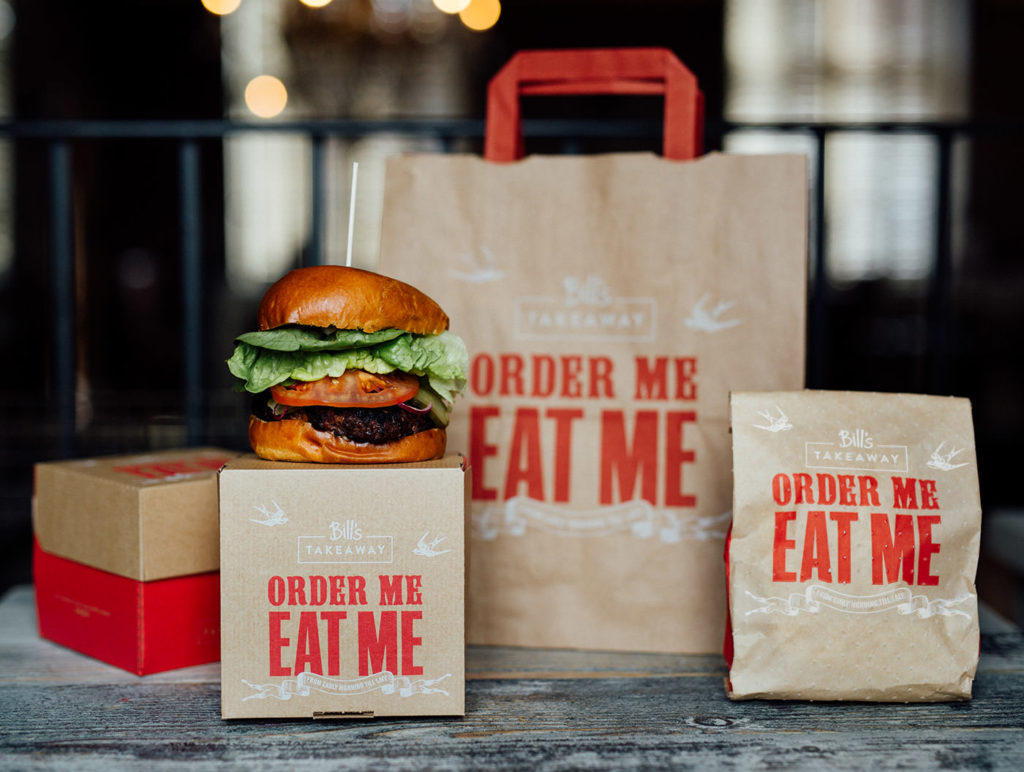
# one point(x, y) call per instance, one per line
point(145, 470)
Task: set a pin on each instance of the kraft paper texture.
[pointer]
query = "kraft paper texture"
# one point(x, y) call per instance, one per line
point(146, 517)
point(854, 547)
point(342, 589)
point(609, 304)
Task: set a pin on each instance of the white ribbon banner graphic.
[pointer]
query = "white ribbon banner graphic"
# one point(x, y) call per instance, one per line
point(638, 517)
point(306, 683)
point(902, 600)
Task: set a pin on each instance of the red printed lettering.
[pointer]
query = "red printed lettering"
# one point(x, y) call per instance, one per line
point(563, 418)
point(843, 521)
point(296, 591)
point(480, 450)
point(826, 489)
point(409, 642)
point(276, 590)
point(337, 590)
point(846, 494)
point(413, 595)
point(601, 378)
point(277, 642)
point(904, 493)
point(170, 468)
point(307, 649)
point(333, 619)
point(851, 491)
point(686, 371)
point(889, 552)
point(481, 375)
point(651, 379)
point(868, 491)
point(804, 494)
point(572, 366)
point(378, 648)
point(815, 555)
point(317, 590)
point(782, 490)
point(356, 591)
point(511, 375)
point(524, 459)
point(929, 500)
point(781, 546)
point(926, 548)
point(629, 463)
point(390, 590)
point(543, 384)
point(675, 456)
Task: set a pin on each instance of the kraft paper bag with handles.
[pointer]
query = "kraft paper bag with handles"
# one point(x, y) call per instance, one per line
point(609, 304)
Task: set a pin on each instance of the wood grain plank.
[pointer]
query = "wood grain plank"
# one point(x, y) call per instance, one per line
point(562, 710)
point(649, 722)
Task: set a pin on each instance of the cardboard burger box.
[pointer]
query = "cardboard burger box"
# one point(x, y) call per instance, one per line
point(343, 588)
point(126, 557)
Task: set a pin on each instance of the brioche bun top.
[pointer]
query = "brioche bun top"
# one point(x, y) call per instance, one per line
point(349, 299)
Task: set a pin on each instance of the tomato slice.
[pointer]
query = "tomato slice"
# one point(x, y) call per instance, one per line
point(353, 388)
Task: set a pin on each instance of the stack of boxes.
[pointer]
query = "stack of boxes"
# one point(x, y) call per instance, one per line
point(326, 590)
point(126, 557)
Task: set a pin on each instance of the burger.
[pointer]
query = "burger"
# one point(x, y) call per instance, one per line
point(348, 366)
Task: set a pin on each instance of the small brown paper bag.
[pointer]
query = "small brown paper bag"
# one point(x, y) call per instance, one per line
point(853, 549)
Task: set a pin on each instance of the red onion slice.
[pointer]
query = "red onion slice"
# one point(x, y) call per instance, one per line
point(413, 409)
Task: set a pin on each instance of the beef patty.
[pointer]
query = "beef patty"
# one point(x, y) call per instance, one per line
point(375, 425)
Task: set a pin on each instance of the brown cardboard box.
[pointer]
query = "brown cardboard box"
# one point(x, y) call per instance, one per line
point(342, 589)
point(146, 517)
point(126, 557)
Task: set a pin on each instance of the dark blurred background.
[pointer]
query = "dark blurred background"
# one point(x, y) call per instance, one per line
point(911, 109)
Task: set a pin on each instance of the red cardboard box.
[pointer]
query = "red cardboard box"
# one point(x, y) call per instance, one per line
point(126, 557)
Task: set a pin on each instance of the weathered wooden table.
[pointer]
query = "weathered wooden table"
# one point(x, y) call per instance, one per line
point(525, 709)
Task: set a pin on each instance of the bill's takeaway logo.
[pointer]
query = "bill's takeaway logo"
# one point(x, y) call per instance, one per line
point(856, 449)
point(585, 311)
point(346, 543)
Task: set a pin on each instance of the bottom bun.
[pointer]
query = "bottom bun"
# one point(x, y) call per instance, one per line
point(293, 440)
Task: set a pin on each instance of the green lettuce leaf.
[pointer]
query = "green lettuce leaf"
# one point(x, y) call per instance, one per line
point(313, 367)
point(262, 368)
point(442, 359)
point(242, 361)
point(295, 337)
point(441, 356)
point(446, 388)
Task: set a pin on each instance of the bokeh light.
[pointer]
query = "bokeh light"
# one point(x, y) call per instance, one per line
point(451, 6)
point(315, 3)
point(266, 96)
point(480, 15)
point(221, 7)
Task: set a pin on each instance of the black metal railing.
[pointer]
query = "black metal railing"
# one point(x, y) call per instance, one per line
point(60, 136)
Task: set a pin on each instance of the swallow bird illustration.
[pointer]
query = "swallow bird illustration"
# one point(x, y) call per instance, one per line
point(271, 518)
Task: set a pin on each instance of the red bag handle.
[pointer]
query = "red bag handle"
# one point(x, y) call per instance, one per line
point(595, 71)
